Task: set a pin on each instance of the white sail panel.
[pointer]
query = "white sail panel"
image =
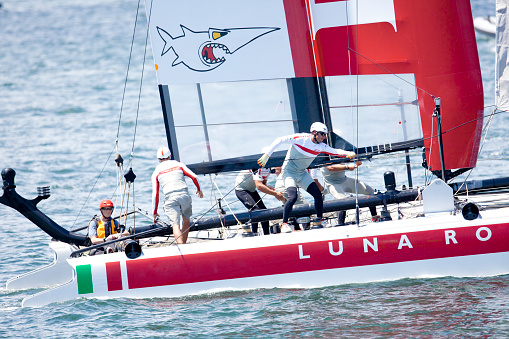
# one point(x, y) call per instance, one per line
point(384, 111)
point(502, 50)
point(241, 118)
point(222, 40)
point(334, 14)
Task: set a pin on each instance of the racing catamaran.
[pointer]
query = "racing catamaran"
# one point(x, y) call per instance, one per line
point(390, 63)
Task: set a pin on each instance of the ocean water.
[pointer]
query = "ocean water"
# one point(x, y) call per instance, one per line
point(62, 74)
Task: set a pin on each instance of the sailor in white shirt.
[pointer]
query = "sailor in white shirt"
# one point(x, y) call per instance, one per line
point(338, 184)
point(169, 176)
point(305, 147)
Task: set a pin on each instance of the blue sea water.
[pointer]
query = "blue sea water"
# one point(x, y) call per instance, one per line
point(62, 73)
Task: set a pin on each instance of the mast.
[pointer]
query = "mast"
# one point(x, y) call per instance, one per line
point(304, 102)
point(405, 137)
point(169, 124)
point(326, 111)
point(437, 114)
point(204, 121)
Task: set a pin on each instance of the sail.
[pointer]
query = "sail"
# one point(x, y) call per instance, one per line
point(434, 41)
point(502, 57)
point(234, 75)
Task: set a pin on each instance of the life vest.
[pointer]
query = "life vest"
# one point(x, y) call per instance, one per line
point(102, 232)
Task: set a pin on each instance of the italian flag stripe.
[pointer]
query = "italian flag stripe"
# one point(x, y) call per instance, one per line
point(113, 276)
point(84, 276)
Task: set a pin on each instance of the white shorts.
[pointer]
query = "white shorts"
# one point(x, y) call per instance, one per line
point(339, 191)
point(292, 179)
point(176, 206)
point(281, 188)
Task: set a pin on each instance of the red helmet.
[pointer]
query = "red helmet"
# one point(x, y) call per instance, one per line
point(105, 203)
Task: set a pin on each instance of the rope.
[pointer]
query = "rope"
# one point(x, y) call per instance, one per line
point(93, 187)
point(222, 198)
point(485, 129)
point(127, 74)
point(389, 72)
point(141, 84)
point(115, 148)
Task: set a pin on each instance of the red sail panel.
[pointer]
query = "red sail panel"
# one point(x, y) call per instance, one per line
point(432, 39)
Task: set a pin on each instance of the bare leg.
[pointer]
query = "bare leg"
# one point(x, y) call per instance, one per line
point(185, 230)
point(177, 233)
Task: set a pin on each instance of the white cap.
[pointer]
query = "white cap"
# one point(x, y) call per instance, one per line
point(319, 127)
point(163, 152)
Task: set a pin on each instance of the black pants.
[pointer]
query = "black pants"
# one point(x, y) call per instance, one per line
point(292, 198)
point(342, 215)
point(253, 202)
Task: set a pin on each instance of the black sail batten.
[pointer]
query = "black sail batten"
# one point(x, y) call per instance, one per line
point(169, 124)
point(380, 199)
point(306, 209)
point(28, 208)
point(236, 164)
point(277, 158)
point(305, 103)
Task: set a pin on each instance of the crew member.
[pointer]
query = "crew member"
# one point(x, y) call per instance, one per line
point(305, 147)
point(104, 228)
point(170, 176)
point(338, 184)
point(247, 185)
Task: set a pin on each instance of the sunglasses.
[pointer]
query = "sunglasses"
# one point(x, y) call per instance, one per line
point(321, 133)
point(107, 208)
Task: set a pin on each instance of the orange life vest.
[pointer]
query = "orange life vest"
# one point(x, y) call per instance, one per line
point(101, 230)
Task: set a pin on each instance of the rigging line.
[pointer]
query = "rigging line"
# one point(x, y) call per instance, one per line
point(486, 128)
point(127, 73)
point(495, 111)
point(376, 105)
point(355, 130)
point(120, 171)
point(93, 186)
point(125, 192)
point(385, 69)
point(222, 198)
point(213, 206)
point(315, 62)
point(428, 161)
point(237, 123)
point(141, 83)
point(216, 205)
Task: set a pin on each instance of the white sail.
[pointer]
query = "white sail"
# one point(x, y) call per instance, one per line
point(502, 50)
point(215, 41)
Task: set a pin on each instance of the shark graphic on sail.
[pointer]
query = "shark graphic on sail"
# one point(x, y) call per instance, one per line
point(203, 51)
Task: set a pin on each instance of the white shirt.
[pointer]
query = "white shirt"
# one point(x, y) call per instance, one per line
point(169, 175)
point(245, 180)
point(303, 150)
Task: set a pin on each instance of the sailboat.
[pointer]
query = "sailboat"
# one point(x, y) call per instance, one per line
point(486, 25)
point(362, 66)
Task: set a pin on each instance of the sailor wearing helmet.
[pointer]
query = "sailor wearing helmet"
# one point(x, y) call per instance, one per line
point(305, 147)
point(104, 228)
point(170, 175)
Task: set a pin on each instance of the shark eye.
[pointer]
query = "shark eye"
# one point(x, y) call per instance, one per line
point(216, 33)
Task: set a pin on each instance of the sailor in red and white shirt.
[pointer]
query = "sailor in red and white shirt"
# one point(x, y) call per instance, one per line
point(169, 176)
point(305, 147)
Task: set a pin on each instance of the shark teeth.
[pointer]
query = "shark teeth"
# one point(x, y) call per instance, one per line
point(214, 53)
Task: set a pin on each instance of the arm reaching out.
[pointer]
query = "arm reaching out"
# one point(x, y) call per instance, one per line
point(263, 160)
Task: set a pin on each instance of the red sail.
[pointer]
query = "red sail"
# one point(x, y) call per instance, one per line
point(434, 40)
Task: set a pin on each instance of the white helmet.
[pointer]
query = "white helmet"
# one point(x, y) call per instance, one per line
point(163, 152)
point(319, 127)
